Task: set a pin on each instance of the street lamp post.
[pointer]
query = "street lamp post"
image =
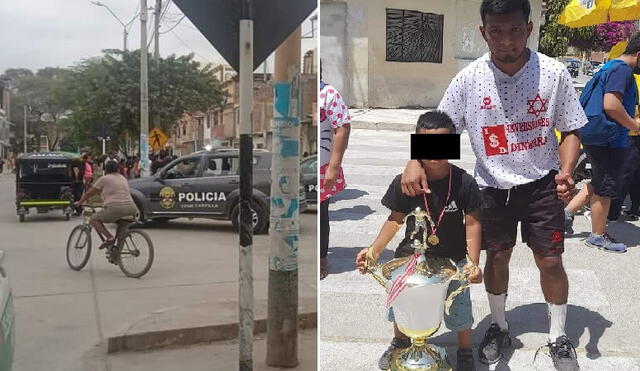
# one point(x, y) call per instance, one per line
point(25, 130)
point(104, 141)
point(124, 26)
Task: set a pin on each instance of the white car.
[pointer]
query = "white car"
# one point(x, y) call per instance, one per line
point(7, 320)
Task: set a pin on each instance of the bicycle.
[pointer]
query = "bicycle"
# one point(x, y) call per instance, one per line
point(128, 247)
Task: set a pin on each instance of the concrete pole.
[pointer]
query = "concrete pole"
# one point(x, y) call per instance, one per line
point(156, 35)
point(264, 106)
point(125, 34)
point(144, 92)
point(25, 129)
point(246, 187)
point(282, 320)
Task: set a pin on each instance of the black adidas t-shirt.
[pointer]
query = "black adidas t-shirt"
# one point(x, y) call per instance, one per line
point(465, 198)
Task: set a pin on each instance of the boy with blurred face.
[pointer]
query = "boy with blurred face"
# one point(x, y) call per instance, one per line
point(453, 206)
point(510, 101)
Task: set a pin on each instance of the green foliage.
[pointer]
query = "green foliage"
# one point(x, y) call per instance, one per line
point(106, 95)
point(556, 38)
point(101, 97)
point(45, 98)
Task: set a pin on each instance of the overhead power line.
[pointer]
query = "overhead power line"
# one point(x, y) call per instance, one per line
point(189, 47)
point(174, 26)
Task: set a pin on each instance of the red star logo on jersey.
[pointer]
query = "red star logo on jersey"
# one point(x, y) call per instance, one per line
point(537, 105)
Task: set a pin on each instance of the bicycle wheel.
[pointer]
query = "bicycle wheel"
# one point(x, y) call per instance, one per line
point(135, 253)
point(79, 247)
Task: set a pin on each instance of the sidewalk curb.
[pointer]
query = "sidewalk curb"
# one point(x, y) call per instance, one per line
point(193, 335)
point(366, 125)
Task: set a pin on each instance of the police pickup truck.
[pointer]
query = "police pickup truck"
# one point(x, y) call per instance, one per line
point(206, 184)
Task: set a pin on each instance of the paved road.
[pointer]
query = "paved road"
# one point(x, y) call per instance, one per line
point(603, 312)
point(193, 282)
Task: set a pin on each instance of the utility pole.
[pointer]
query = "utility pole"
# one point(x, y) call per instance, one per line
point(25, 129)
point(246, 187)
point(264, 105)
point(284, 233)
point(156, 35)
point(144, 92)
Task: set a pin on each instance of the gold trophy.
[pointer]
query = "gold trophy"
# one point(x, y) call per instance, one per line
point(418, 307)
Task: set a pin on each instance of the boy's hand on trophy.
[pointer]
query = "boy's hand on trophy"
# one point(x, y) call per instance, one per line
point(361, 260)
point(475, 273)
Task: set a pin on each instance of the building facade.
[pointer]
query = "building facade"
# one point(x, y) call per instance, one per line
point(401, 53)
point(220, 126)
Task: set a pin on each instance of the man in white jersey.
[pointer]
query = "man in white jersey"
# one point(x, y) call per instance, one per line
point(510, 101)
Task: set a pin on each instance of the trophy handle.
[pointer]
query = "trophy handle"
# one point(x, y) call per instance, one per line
point(463, 277)
point(373, 267)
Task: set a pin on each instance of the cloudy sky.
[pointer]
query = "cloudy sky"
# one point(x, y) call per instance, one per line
point(57, 33)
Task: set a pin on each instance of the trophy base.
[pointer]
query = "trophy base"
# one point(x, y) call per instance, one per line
point(420, 357)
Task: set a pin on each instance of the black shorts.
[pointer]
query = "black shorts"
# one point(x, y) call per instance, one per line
point(606, 163)
point(535, 205)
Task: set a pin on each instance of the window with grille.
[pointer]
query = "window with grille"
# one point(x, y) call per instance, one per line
point(413, 36)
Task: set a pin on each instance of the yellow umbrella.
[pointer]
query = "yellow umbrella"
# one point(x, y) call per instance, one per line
point(624, 10)
point(618, 49)
point(583, 13)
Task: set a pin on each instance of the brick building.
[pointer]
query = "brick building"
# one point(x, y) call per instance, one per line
point(219, 127)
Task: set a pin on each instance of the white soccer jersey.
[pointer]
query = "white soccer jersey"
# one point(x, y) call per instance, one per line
point(510, 119)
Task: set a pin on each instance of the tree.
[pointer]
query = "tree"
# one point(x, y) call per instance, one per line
point(45, 98)
point(106, 95)
point(555, 38)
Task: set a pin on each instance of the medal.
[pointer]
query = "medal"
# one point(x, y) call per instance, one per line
point(433, 239)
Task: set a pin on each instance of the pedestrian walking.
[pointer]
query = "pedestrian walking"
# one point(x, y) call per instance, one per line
point(87, 170)
point(510, 101)
point(77, 183)
point(628, 180)
point(610, 100)
point(334, 138)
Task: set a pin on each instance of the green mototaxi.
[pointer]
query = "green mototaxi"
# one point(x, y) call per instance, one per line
point(44, 182)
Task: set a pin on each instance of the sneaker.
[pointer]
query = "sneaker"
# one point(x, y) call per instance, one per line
point(465, 360)
point(563, 354)
point(631, 215)
point(605, 243)
point(384, 363)
point(491, 347)
point(633, 211)
point(568, 223)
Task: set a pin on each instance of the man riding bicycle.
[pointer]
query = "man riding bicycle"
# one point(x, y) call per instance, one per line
point(117, 201)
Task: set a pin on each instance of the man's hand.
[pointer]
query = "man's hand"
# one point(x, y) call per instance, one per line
point(360, 260)
point(414, 180)
point(565, 186)
point(476, 273)
point(330, 177)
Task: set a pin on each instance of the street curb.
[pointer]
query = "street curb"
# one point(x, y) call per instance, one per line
point(382, 126)
point(194, 335)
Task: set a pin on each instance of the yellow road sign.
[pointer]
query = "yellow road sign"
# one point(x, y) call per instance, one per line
point(157, 139)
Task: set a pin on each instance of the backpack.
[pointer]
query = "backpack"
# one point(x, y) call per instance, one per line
point(599, 131)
